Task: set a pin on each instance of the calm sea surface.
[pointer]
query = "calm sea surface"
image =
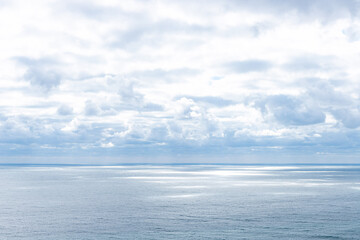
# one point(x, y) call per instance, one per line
point(180, 202)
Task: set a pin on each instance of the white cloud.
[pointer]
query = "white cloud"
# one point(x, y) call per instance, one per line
point(107, 145)
point(174, 74)
point(71, 126)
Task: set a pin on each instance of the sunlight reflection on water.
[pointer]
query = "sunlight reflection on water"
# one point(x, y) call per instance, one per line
point(179, 202)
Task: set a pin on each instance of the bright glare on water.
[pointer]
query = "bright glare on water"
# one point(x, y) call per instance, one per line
point(180, 202)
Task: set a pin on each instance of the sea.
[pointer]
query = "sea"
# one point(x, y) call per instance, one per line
point(179, 201)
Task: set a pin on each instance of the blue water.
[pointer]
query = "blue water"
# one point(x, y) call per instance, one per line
point(180, 202)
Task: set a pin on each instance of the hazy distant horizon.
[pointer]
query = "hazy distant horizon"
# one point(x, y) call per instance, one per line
point(184, 159)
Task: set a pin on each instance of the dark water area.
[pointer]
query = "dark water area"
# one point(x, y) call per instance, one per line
point(180, 202)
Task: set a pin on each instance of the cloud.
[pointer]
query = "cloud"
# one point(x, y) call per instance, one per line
point(90, 9)
point(159, 134)
point(349, 117)
point(65, 110)
point(325, 10)
point(352, 33)
point(186, 109)
point(71, 126)
point(175, 77)
point(165, 75)
point(210, 100)
point(149, 32)
point(193, 122)
point(307, 63)
point(41, 73)
point(152, 107)
point(246, 66)
point(290, 110)
point(91, 108)
point(107, 145)
point(326, 92)
point(128, 95)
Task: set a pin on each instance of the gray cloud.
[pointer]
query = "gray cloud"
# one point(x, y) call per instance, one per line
point(65, 110)
point(209, 100)
point(310, 63)
point(325, 92)
point(128, 95)
point(42, 72)
point(91, 108)
point(44, 79)
point(153, 33)
point(303, 64)
point(291, 110)
point(149, 107)
point(328, 96)
point(325, 10)
point(350, 118)
point(94, 11)
point(352, 33)
point(159, 133)
point(253, 65)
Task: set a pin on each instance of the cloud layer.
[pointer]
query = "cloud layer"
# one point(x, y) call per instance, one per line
point(179, 77)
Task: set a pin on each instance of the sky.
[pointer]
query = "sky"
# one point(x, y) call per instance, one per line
point(180, 80)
